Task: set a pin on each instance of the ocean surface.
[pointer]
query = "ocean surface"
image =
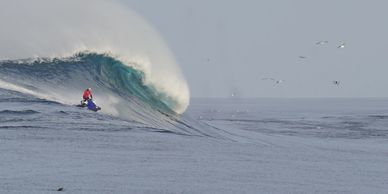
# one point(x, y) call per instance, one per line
point(216, 146)
point(151, 137)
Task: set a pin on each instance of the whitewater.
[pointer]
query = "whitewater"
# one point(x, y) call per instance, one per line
point(151, 136)
point(84, 27)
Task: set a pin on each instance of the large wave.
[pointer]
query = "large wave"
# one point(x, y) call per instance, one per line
point(124, 54)
point(118, 88)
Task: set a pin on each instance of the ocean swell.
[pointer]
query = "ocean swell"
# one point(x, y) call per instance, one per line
point(44, 31)
point(118, 87)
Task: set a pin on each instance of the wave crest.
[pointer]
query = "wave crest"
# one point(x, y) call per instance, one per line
point(118, 88)
point(58, 29)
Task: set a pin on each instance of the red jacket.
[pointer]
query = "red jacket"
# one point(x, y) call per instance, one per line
point(87, 94)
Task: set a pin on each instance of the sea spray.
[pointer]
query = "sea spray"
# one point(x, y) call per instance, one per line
point(58, 29)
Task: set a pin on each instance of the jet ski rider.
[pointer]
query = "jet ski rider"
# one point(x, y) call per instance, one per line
point(87, 95)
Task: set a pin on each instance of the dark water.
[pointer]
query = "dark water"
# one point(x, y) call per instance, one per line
point(324, 118)
point(218, 146)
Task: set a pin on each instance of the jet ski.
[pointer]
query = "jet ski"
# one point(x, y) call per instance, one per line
point(90, 104)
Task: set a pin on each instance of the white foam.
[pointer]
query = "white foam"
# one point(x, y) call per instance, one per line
point(46, 28)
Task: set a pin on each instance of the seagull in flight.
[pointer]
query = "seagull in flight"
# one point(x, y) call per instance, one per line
point(336, 82)
point(322, 42)
point(302, 57)
point(342, 45)
point(275, 80)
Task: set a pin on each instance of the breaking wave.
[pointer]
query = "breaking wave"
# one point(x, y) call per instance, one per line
point(118, 88)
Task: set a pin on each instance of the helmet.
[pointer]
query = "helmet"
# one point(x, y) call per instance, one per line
point(90, 89)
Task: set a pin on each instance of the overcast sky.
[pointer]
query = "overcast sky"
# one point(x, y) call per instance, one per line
point(226, 47)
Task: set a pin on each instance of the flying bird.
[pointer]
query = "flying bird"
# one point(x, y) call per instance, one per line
point(342, 45)
point(302, 57)
point(322, 42)
point(275, 80)
point(335, 82)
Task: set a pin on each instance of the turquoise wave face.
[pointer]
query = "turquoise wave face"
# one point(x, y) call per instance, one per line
point(124, 80)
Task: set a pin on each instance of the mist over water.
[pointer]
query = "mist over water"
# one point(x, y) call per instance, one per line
point(43, 28)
